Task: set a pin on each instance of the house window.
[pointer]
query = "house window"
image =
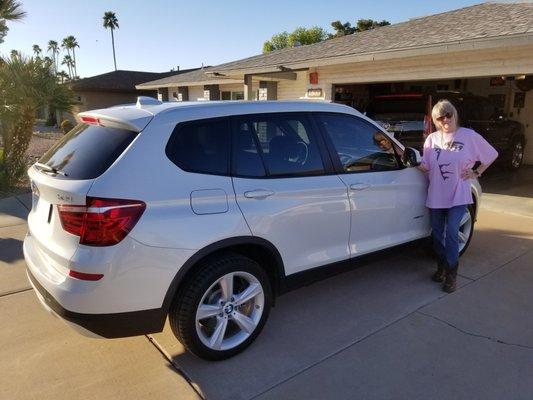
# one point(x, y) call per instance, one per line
point(237, 95)
point(225, 95)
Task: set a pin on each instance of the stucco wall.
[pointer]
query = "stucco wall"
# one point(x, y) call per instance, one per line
point(290, 90)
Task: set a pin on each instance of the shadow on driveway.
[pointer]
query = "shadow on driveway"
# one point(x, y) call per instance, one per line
point(10, 250)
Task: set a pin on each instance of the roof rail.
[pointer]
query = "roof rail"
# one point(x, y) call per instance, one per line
point(147, 101)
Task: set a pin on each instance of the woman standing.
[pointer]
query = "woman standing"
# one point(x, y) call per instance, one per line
point(449, 155)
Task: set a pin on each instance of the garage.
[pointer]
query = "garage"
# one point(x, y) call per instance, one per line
point(496, 107)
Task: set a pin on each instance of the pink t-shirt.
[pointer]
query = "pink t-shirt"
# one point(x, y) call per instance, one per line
point(446, 156)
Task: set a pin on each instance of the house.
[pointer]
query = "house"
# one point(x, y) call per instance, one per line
point(112, 88)
point(485, 49)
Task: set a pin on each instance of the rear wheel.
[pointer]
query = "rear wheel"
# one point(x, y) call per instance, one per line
point(222, 309)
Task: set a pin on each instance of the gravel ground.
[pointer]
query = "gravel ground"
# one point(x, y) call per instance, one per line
point(43, 138)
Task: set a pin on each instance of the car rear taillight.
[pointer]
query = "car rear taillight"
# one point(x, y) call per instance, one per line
point(101, 222)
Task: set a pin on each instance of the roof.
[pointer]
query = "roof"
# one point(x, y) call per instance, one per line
point(481, 21)
point(196, 77)
point(120, 80)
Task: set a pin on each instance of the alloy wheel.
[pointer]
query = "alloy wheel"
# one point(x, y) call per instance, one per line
point(230, 310)
point(465, 230)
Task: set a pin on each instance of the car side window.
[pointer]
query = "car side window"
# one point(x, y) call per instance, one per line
point(285, 142)
point(247, 160)
point(201, 146)
point(361, 147)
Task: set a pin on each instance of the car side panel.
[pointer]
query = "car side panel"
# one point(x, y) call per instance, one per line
point(184, 210)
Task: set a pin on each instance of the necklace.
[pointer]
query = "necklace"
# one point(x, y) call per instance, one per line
point(443, 144)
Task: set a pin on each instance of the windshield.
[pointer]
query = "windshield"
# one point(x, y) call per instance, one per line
point(87, 151)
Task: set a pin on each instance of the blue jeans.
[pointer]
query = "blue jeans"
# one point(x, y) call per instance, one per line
point(445, 229)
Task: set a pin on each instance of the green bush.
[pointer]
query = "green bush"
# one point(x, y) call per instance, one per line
point(66, 126)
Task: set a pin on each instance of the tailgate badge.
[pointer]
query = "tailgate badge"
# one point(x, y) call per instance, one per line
point(64, 197)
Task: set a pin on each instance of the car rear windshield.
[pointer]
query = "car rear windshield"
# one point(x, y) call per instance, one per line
point(398, 109)
point(87, 151)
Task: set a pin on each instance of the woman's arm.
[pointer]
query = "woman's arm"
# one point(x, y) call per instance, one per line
point(476, 173)
point(484, 152)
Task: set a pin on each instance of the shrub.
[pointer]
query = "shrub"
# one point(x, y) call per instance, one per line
point(26, 85)
point(66, 126)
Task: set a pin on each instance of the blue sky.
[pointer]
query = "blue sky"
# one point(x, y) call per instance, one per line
point(158, 35)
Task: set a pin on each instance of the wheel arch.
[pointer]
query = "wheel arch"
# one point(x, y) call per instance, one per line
point(260, 250)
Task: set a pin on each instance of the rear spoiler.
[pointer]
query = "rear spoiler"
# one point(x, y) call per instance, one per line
point(129, 118)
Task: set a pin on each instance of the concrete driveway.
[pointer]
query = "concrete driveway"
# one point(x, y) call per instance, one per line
point(379, 332)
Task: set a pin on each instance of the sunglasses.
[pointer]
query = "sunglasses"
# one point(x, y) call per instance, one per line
point(447, 116)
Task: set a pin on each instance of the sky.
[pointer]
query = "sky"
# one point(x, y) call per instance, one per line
point(158, 35)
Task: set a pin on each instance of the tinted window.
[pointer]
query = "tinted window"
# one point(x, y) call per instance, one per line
point(246, 158)
point(87, 151)
point(359, 145)
point(287, 144)
point(201, 146)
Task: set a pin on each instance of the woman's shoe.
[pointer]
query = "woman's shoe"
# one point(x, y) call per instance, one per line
point(450, 282)
point(440, 275)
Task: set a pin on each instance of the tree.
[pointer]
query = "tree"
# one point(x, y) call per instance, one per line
point(368, 24)
point(300, 36)
point(70, 43)
point(69, 62)
point(360, 26)
point(26, 84)
point(111, 22)
point(10, 10)
point(36, 50)
point(54, 48)
point(63, 76)
point(342, 29)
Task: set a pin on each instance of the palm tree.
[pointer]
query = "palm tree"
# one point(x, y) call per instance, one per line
point(63, 76)
point(69, 62)
point(111, 21)
point(36, 50)
point(10, 10)
point(54, 48)
point(70, 43)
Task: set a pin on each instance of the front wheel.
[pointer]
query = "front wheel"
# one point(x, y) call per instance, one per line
point(466, 229)
point(223, 307)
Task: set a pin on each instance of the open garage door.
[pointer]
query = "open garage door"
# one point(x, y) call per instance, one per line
point(499, 108)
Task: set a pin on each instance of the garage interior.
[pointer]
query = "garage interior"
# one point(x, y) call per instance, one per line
point(511, 95)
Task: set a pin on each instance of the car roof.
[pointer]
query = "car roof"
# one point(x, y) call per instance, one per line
point(137, 116)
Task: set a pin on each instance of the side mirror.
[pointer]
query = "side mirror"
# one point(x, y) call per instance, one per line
point(411, 157)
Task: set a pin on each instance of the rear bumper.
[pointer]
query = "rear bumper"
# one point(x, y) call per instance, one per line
point(113, 325)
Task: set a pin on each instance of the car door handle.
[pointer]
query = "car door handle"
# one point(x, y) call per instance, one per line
point(258, 194)
point(360, 186)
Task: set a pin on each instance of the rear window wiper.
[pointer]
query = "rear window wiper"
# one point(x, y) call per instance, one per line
point(48, 168)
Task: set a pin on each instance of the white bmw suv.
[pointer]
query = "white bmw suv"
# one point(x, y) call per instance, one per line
point(204, 212)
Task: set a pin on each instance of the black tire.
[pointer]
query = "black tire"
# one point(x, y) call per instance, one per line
point(471, 211)
point(515, 156)
point(182, 314)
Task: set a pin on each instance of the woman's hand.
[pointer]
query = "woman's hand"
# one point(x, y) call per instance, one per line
point(468, 174)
